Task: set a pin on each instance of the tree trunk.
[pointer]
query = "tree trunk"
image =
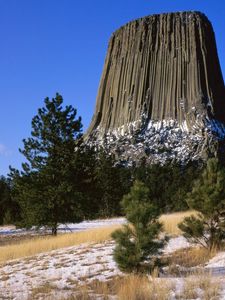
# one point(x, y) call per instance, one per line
point(54, 230)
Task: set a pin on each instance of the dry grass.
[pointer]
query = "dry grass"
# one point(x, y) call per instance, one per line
point(130, 287)
point(86, 291)
point(134, 287)
point(170, 221)
point(80, 295)
point(104, 288)
point(200, 284)
point(28, 248)
point(45, 244)
point(42, 290)
point(190, 257)
point(189, 290)
point(4, 278)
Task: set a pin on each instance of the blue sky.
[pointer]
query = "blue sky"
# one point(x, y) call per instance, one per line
point(49, 46)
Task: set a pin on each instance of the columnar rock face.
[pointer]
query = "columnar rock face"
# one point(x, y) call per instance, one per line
point(161, 90)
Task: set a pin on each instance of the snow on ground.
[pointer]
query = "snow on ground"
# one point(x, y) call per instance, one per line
point(216, 265)
point(73, 227)
point(175, 244)
point(217, 261)
point(65, 270)
point(85, 225)
point(10, 230)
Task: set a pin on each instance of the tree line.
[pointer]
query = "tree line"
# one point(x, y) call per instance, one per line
point(63, 180)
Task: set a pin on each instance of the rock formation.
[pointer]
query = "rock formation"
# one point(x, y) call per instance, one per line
point(161, 94)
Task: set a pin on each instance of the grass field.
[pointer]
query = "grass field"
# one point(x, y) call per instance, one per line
point(83, 266)
point(170, 221)
point(45, 244)
point(140, 287)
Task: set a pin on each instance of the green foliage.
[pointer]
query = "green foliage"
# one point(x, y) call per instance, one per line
point(45, 189)
point(168, 185)
point(100, 183)
point(4, 197)
point(208, 198)
point(112, 182)
point(64, 180)
point(9, 210)
point(138, 242)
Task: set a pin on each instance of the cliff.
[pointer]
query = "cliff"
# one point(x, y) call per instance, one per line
point(161, 76)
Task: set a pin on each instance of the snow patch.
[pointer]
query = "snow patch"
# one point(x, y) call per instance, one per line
point(175, 244)
point(71, 227)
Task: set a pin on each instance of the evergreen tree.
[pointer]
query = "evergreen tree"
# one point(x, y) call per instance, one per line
point(45, 188)
point(9, 210)
point(138, 242)
point(168, 184)
point(113, 182)
point(4, 197)
point(208, 199)
point(85, 180)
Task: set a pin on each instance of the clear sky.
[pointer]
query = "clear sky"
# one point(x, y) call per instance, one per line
point(49, 46)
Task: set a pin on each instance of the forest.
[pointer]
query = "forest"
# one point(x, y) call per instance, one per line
point(64, 180)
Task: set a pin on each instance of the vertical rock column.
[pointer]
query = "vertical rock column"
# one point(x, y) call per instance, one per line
point(158, 68)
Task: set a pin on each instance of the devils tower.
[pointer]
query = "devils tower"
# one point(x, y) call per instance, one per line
point(161, 95)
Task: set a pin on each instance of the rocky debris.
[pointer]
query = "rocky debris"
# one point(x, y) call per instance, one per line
point(161, 94)
point(162, 142)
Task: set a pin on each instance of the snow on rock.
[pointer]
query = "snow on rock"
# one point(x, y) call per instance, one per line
point(159, 141)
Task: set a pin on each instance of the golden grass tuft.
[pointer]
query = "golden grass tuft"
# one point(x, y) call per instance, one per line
point(170, 221)
point(189, 290)
point(45, 244)
point(42, 290)
point(108, 287)
point(190, 257)
point(137, 287)
point(210, 287)
point(134, 287)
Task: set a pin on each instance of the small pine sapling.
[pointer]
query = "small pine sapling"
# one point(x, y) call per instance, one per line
point(207, 228)
point(138, 243)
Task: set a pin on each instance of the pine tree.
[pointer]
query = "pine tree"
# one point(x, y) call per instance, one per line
point(9, 209)
point(112, 183)
point(45, 189)
point(138, 242)
point(168, 184)
point(208, 199)
point(85, 180)
point(4, 197)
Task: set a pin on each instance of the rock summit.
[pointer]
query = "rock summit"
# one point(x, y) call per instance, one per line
point(161, 95)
